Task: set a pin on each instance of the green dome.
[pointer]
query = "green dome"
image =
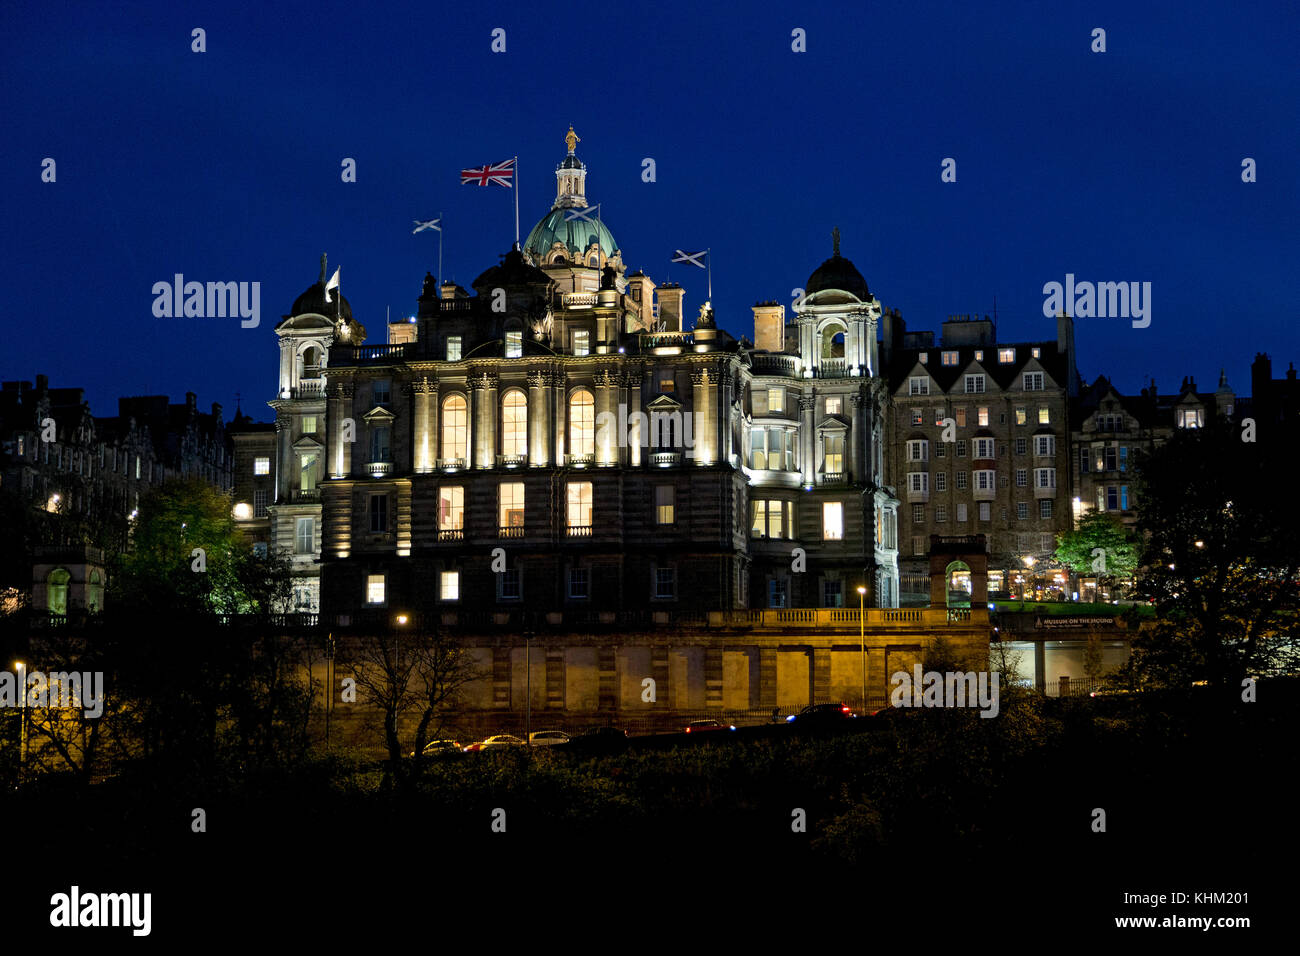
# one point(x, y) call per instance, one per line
point(576, 235)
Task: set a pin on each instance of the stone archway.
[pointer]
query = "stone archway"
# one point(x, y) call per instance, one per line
point(957, 583)
point(964, 555)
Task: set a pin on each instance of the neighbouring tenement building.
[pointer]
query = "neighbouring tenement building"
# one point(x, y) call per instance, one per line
point(560, 440)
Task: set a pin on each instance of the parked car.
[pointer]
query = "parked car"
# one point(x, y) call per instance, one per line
point(439, 748)
point(706, 726)
point(495, 741)
point(548, 738)
point(822, 714)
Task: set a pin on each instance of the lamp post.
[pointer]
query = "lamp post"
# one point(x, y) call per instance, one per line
point(528, 687)
point(862, 640)
point(22, 722)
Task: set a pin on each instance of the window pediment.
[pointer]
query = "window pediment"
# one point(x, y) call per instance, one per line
point(379, 415)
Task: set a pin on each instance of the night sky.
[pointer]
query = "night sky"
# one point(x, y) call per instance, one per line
point(225, 166)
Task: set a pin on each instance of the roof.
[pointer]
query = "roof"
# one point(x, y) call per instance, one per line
point(576, 235)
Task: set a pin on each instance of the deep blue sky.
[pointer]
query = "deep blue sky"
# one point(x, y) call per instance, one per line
point(225, 165)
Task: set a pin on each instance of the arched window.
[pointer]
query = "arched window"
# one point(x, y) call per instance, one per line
point(582, 423)
point(455, 428)
point(514, 424)
point(95, 592)
point(57, 594)
point(311, 362)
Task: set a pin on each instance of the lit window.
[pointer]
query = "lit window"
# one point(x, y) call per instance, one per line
point(1021, 416)
point(455, 428)
point(451, 508)
point(960, 416)
point(375, 589)
point(949, 358)
point(582, 423)
point(1006, 355)
point(983, 415)
point(667, 384)
point(261, 466)
point(581, 342)
point(514, 424)
point(776, 399)
point(834, 461)
point(833, 521)
point(1036, 352)
point(514, 344)
point(1190, 418)
point(665, 504)
point(304, 537)
point(834, 405)
point(771, 519)
point(579, 504)
point(979, 355)
point(453, 348)
point(449, 586)
point(1044, 416)
point(511, 511)
point(309, 424)
point(918, 416)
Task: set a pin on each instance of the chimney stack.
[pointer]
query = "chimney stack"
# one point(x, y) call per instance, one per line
point(769, 326)
point(670, 306)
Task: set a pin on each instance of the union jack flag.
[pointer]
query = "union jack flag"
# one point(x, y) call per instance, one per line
point(502, 174)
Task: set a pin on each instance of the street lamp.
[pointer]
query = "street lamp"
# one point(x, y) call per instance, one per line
point(862, 640)
point(22, 722)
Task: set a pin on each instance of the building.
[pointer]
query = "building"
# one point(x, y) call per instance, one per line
point(978, 443)
point(559, 439)
point(60, 457)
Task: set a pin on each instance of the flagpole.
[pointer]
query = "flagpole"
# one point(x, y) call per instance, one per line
point(709, 254)
point(441, 226)
point(517, 202)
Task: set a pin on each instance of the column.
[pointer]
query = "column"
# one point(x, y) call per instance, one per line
point(607, 438)
point(807, 439)
point(821, 675)
point(425, 439)
point(539, 420)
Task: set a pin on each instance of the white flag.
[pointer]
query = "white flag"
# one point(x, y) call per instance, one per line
point(332, 284)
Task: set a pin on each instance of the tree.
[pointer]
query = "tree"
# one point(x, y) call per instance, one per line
point(187, 559)
point(1220, 558)
point(1100, 546)
point(411, 673)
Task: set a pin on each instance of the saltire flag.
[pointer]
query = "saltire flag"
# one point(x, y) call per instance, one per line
point(332, 284)
point(502, 174)
point(690, 258)
point(423, 224)
point(583, 214)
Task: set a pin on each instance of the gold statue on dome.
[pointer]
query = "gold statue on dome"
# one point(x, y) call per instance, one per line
point(571, 138)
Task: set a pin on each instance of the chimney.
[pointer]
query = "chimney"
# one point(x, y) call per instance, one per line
point(452, 291)
point(670, 306)
point(769, 326)
point(894, 331)
point(641, 289)
point(42, 384)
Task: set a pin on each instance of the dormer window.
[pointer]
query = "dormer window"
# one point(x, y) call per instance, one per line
point(924, 358)
point(1006, 356)
point(948, 358)
point(1190, 418)
point(979, 355)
